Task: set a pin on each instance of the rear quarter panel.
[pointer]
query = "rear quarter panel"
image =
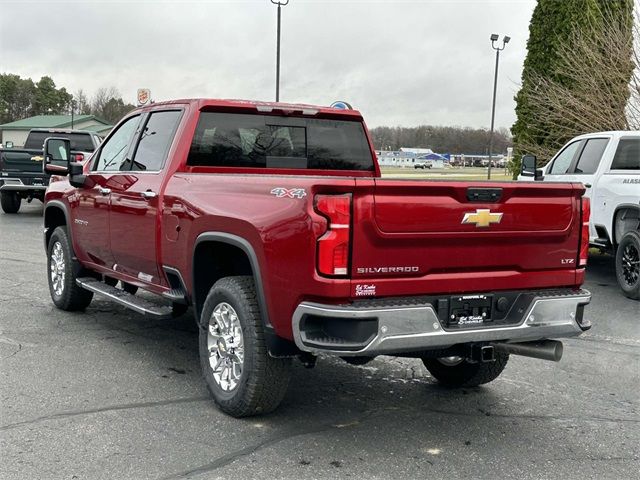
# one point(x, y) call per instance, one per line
point(282, 231)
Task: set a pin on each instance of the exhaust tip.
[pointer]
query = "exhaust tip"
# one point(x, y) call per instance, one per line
point(544, 350)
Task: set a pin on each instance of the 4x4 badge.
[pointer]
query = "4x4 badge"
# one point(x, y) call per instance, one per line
point(282, 192)
point(482, 217)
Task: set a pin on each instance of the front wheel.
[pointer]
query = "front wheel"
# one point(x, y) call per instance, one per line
point(459, 372)
point(10, 202)
point(241, 376)
point(62, 274)
point(628, 264)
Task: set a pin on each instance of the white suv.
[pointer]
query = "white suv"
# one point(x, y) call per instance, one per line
point(608, 164)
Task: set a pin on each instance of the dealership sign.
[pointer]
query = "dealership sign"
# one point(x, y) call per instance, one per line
point(144, 96)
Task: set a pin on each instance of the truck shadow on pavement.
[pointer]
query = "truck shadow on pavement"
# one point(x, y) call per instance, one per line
point(336, 419)
point(352, 410)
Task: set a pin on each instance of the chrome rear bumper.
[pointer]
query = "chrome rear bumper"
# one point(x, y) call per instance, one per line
point(414, 327)
point(17, 185)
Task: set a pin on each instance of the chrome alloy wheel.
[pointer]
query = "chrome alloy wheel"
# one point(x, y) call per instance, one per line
point(57, 268)
point(226, 346)
point(450, 361)
point(630, 264)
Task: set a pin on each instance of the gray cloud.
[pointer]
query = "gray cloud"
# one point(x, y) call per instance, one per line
point(399, 62)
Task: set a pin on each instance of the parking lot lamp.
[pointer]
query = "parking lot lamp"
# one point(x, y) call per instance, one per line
point(494, 38)
point(73, 107)
point(280, 3)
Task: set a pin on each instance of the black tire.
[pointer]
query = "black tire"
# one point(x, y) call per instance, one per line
point(10, 202)
point(178, 309)
point(263, 380)
point(465, 373)
point(67, 295)
point(627, 266)
point(358, 360)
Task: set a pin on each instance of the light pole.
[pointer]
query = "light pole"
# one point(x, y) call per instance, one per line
point(73, 106)
point(494, 39)
point(280, 3)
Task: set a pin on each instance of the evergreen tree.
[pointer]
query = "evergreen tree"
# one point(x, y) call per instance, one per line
point(555, 26)
point(48, 99)
point(16, 97)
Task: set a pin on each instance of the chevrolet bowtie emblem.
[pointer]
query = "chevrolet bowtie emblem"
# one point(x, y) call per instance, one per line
point(482, 217)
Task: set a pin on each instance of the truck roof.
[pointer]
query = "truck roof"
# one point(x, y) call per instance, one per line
point(613, 133)
point(257, 105)
point(60, 130)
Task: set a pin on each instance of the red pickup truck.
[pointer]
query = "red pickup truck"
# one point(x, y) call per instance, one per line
point(272, 221)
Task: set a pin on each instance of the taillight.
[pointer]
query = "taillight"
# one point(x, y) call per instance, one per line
point(584, 237)
point(79, 157)
point(333, 245)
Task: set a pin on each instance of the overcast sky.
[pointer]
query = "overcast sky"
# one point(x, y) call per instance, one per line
point(399, 62)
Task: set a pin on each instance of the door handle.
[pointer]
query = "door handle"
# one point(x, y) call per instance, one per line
point(104, 191)
point(149, 194)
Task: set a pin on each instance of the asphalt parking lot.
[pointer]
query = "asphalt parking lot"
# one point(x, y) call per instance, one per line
point(109, 394)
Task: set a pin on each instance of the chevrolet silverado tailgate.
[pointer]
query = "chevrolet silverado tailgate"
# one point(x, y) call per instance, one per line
point(417, 237)
point(21, 161)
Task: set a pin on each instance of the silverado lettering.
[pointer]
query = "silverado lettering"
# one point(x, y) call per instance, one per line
point(363, 270)
point(196, 215)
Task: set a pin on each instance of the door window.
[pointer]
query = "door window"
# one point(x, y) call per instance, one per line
point(627, 155)
point(563, 161)
point(114, 150)
point(155, 141)
point(591, 155)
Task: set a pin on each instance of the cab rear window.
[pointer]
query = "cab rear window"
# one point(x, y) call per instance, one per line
point(627, 155)
point(269, 141)
point(80, 142)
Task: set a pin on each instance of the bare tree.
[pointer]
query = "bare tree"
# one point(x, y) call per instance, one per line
point(82, 106)
point(441, 139)
point(596, 88)
point(101, 98)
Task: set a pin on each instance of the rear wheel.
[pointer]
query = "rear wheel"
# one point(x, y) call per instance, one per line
point(241, 376)
point(10, 202)
point(459, 372)
point(62, 273)
point(628, 264)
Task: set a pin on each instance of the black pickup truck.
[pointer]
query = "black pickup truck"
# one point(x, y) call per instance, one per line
point(21, 175)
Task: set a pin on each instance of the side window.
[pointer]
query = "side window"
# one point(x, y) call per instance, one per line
point(563, 161)
point(155, 141)
point(627, 155)
point(591, 155)
point(114, 150)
